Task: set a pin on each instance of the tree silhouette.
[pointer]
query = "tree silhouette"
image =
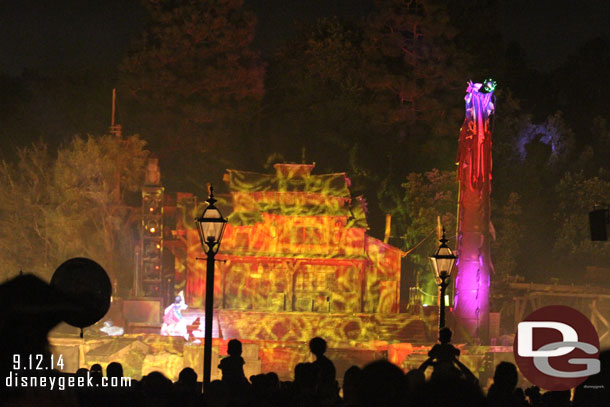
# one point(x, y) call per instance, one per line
point(191, 82)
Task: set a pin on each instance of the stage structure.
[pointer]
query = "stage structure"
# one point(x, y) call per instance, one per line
point(294, 242)
point(149, 282)
point(473, 235)
point(296, 262)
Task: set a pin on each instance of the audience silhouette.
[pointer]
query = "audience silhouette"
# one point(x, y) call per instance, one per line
point(503, 392)
point(96, 374)
point(443, 356)
point(382, 384)
point(326, 386)
point(114, 369)
point(379, 383)
point(352, 380)
point(232, 366)
point(444, 359)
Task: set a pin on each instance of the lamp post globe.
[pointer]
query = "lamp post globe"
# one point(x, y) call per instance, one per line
point(210, 225)
point(443, 262)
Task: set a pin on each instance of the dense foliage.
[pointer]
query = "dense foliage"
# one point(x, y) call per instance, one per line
point(72, 203)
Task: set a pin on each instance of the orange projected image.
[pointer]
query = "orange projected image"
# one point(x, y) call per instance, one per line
point(295, 262)
point(294, 242)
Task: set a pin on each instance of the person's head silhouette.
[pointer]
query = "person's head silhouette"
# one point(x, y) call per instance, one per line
point(317, 346)
point(506, 376)
point(444, 335)
point(114, 369)
point(234, 347)
point(96, 373)
point(96, 368)
point(187, 380)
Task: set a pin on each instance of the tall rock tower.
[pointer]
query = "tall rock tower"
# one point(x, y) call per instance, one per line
point(473, 238)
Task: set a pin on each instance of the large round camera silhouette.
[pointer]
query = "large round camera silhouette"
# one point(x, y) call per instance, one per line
point(86, 285)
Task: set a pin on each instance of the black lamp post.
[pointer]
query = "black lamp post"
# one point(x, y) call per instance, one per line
point(442, 263)
point(211, 226)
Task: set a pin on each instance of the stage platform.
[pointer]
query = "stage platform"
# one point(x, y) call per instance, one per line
point(271, 342)
point(141, 354)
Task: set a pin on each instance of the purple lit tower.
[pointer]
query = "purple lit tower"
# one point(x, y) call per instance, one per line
point(473, 234)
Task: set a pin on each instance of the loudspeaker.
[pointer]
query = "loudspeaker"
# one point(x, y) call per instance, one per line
point(598, 225)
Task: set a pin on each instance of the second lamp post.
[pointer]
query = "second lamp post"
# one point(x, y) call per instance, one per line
point(211, 226)
point(442, 263)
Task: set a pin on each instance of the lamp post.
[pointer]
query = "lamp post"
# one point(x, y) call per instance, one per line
point(211, 226)
point(442, 263)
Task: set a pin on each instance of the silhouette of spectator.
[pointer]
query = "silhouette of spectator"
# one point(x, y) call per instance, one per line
point(379, 384)
point(96, 374)
point(188, 378)
point(218, 394)
point(273, 381)
point(259, 382)
point(305, 376)
point(503, 392)
point(232, 366)
point(328, 373)
point(415, 379)
point(114, 369)
point(382, 384)
point(299, 374)
point(534, 396)
point(305, 385)
point(444, 357)
point(266, 388)
point(115, 395)
point(30, 308)
point(351, 385)
point(327, 386)
point(187, 389)
point(450, 390)
point(81, 372)
point(444, 352)
point(557, 399)
point(156, 389)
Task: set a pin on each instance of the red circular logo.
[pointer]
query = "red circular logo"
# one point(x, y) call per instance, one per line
point(556, 348)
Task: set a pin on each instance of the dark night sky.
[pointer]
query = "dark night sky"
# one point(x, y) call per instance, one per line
point(51, 35)
point(550, 30)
